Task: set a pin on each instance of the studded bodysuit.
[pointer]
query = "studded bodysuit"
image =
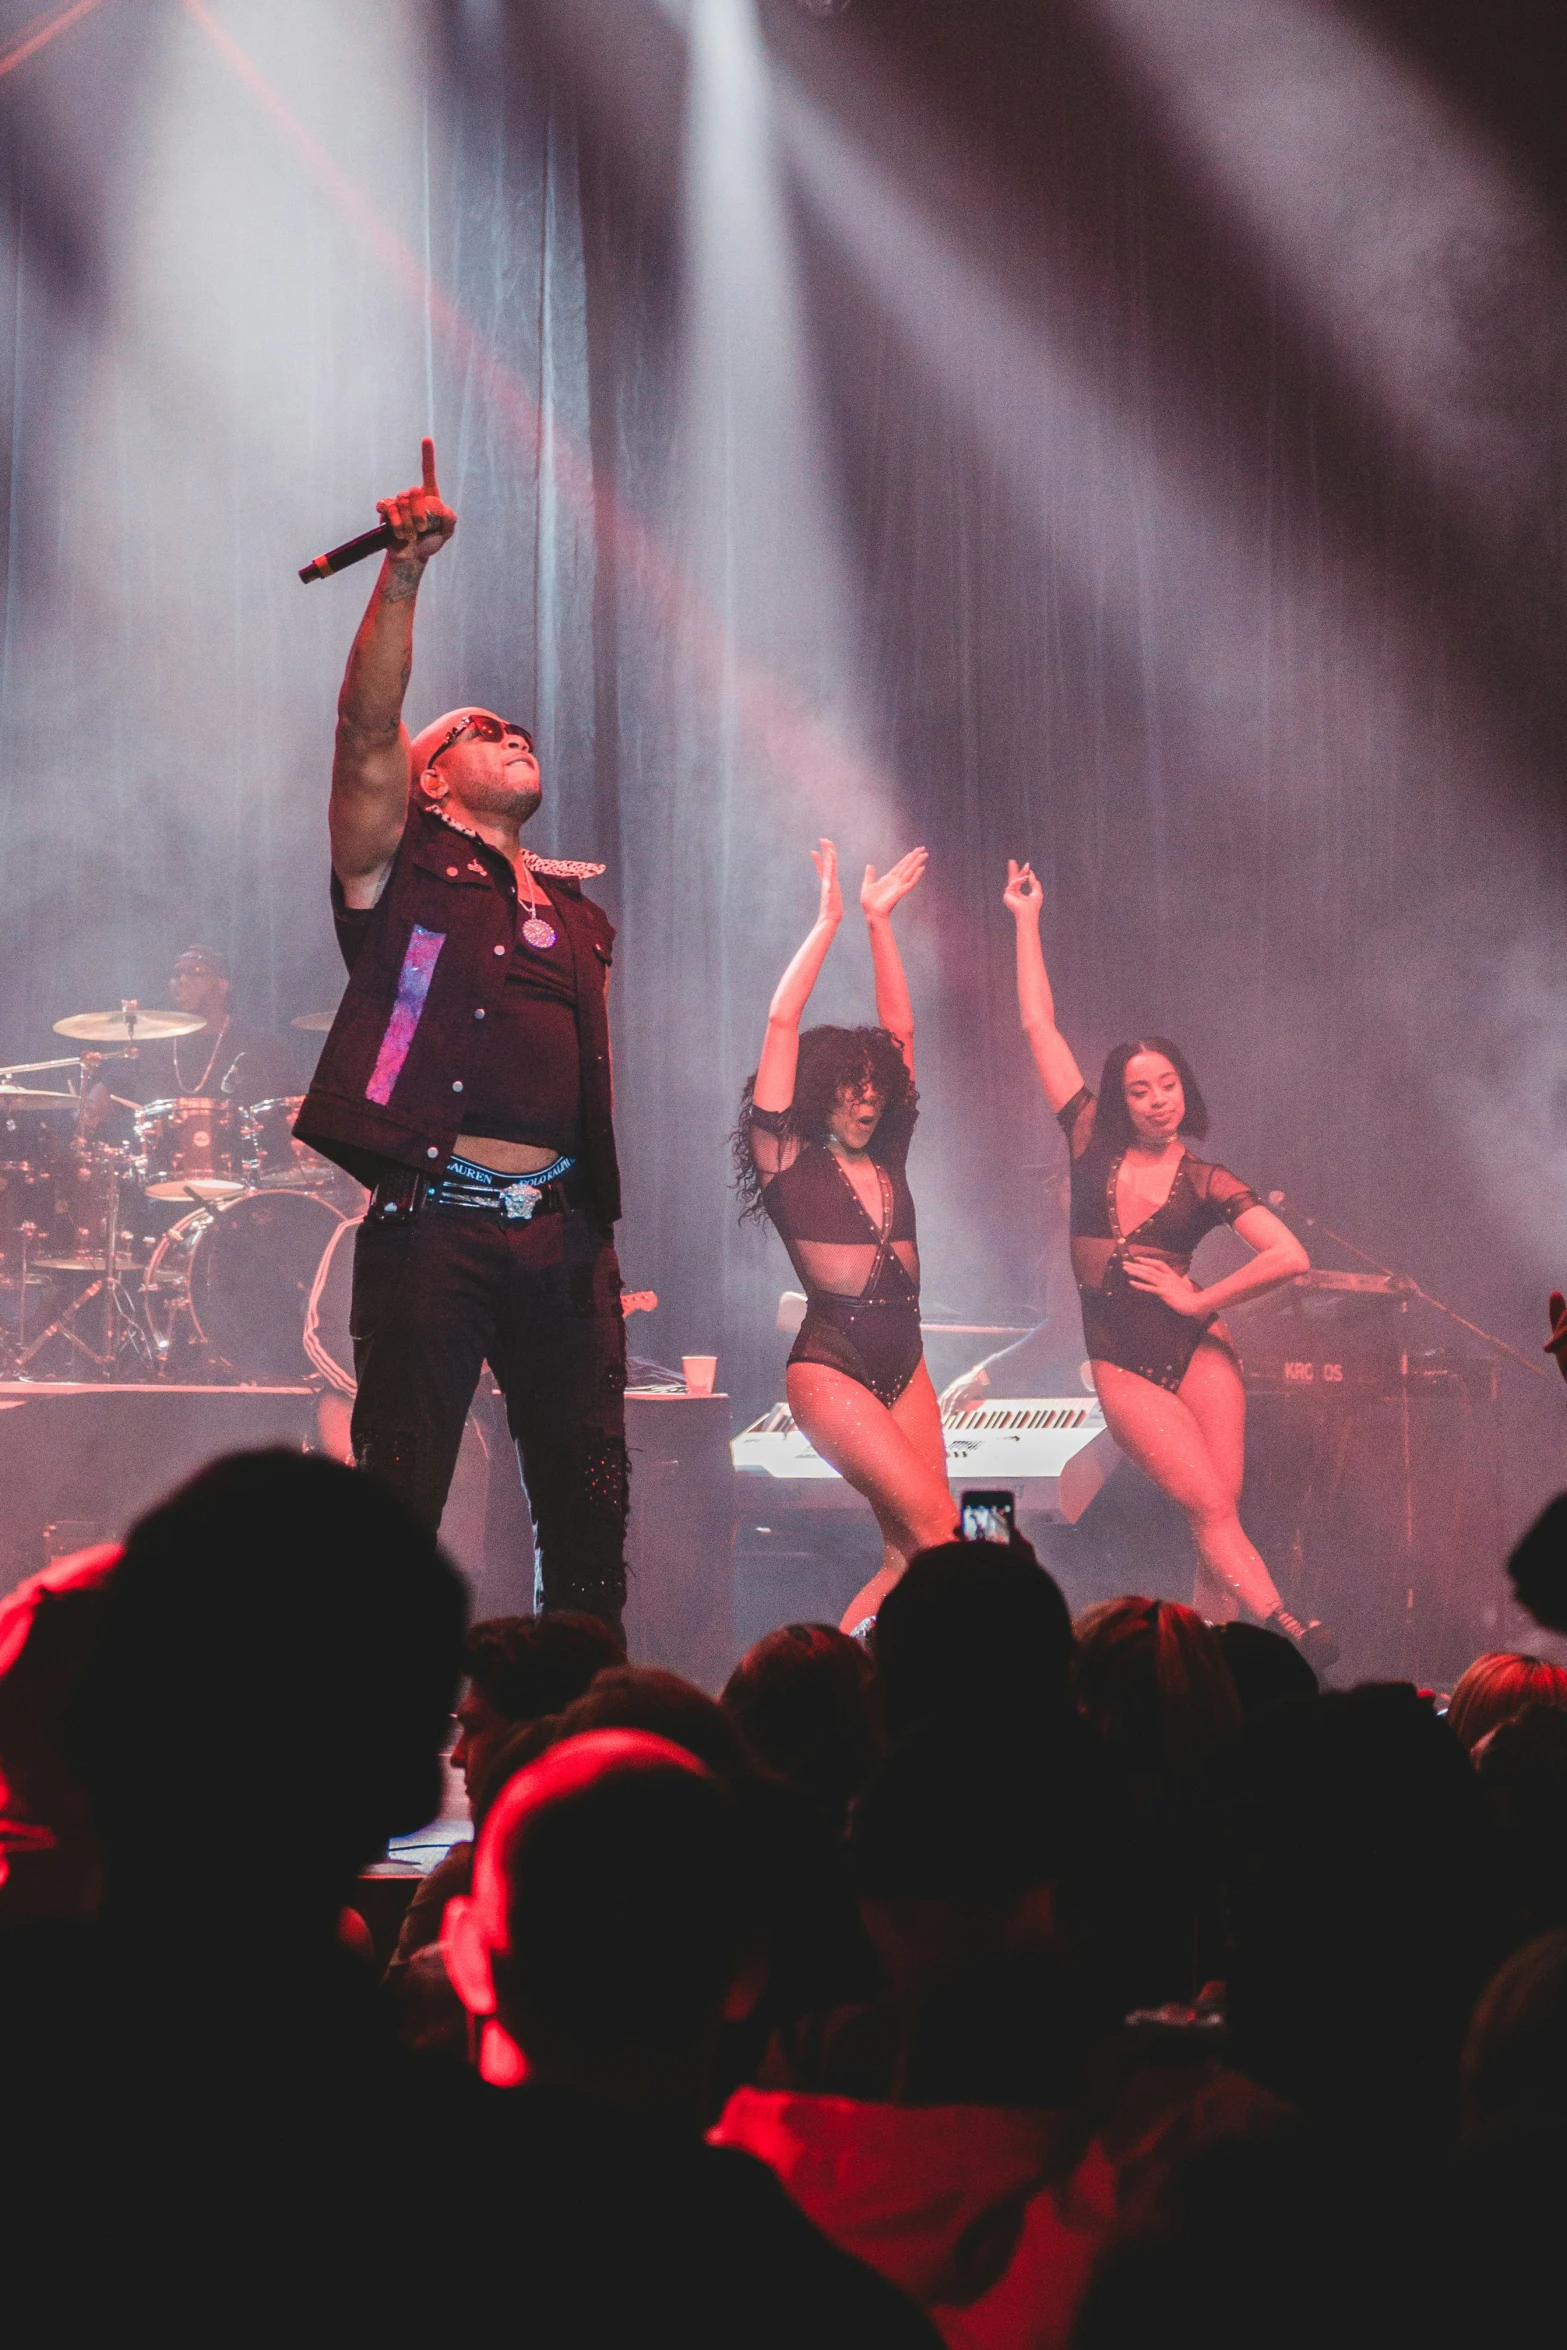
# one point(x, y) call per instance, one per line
point(861, 1280)
point(1121, 1323)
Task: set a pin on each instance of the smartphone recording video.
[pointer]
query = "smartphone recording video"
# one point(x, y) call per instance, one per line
point(988, 1516)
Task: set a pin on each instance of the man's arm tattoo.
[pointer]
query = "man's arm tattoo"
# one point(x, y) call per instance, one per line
point(403, 583)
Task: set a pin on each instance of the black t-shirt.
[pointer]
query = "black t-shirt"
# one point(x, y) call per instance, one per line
point(245, 1066)
point(528, 1087)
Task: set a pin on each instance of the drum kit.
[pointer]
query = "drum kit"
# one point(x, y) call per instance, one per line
point(95, 1272)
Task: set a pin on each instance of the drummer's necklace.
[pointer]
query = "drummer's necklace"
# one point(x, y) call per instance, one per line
point(194, 1092)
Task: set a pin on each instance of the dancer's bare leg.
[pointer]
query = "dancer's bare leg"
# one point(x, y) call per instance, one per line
point(1169, 1441)
point(1216, 1397)
point(918, 1413)
point(896, 1459)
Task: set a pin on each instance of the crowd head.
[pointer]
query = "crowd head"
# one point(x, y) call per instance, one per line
point(1497, 1686)
point(520, 1669)
point(607, 1922)
point(973, 1628)
point(1152, 1678)
point(280, 1641)
point(801, 1700)
point(50, 1861)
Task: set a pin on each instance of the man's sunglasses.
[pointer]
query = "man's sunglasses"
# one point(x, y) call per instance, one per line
point(485, 729)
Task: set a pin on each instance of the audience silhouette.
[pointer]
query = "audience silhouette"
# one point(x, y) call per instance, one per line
point(1022, 1985)
point(218, 2133)
point(610, 1930)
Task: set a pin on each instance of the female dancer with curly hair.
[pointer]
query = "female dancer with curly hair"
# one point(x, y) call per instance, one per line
point(1163, 1364)
point(824, 1131)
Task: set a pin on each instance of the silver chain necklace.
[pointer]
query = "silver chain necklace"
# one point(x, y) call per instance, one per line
point(196, 1091)
point(536, 930)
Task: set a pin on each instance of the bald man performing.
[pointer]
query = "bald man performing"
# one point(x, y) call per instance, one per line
point(466, 1080)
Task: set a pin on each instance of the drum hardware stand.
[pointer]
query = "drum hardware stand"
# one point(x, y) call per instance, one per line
point(36, 1068)
point(27, 1233)
point(10, 1347)
point(78, 1061)
point(123, 1334)
point(1408, 1290)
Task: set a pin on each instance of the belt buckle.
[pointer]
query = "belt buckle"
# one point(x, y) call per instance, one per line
point(519, 1201)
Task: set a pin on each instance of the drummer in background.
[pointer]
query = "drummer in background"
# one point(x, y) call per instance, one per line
point(223, 1057)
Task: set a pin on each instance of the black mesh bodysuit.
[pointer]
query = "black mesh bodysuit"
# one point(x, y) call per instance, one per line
point(862, 1283)
point(1122, 1324)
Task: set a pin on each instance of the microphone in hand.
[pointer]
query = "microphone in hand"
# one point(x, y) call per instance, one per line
point(419, 523)
point(369, 542)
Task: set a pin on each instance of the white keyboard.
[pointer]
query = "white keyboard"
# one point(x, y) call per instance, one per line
point(1024, 1442)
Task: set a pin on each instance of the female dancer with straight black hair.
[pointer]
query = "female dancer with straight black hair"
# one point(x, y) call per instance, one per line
point(824, 1130)
point(1163, 1364)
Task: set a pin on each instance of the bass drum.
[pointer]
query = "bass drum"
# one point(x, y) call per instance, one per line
point(234, 1281)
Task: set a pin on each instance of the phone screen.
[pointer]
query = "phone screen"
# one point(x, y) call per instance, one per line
point(988, 1516)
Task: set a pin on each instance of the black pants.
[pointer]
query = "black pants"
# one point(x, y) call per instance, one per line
point(439, 1293)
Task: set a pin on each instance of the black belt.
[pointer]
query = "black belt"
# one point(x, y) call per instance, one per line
point(516, 1199)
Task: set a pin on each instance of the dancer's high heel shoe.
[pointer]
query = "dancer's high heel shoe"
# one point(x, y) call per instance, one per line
point(1315, 1642)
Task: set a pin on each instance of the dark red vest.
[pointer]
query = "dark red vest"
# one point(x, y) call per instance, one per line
point(423, 987)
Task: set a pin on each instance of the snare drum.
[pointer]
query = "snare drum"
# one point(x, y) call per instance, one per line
point(273, 1159)
point(190, 1148)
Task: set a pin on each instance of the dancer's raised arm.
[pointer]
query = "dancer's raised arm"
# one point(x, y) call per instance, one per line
point(878, 896)
point(781, 1046)
point(1059, 1073)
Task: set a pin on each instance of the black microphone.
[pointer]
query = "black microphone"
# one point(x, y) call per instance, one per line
point(369, 542)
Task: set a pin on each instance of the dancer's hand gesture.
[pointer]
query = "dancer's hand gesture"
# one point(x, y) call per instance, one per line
point(878, 895)
point(830, 909)
point(1022, 896)
point(1158, 1279)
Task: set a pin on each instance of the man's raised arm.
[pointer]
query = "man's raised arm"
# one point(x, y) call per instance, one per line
point(370, 777)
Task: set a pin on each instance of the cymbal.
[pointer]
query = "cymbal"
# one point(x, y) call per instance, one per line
point(34, 1097)
point(316, 1022)
point(127, 1026)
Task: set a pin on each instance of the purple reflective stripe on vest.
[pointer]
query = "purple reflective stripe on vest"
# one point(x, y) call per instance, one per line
point(413, 985)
